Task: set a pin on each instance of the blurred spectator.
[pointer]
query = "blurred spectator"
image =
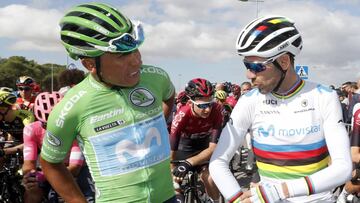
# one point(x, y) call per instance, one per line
point(69, 78)
point(219, 86)
point(245, 87)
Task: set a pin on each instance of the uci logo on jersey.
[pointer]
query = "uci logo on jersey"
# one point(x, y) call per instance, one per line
point(141, 97)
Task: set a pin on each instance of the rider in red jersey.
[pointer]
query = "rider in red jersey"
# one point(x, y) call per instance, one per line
point(195, 131)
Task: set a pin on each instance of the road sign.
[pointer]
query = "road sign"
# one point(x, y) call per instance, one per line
point(302, 71)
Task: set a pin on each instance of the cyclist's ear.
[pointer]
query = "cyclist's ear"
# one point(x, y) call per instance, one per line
point(284, 61)
point(89, 64)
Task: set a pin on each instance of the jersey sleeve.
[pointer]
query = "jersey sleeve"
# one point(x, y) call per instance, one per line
point(230, 139)
point(168, 86)
point(26, 116)
point(218, 122)
point(337, 141)
point(30, 146)
point(62, 128)
point(178, 123)
point(76, 156)
point(355, 136)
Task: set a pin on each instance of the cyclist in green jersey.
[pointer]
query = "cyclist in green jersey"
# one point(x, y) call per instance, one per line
point(12, 122)
point(116, 113)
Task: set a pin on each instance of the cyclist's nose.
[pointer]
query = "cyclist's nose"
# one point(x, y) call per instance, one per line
point(136, 58)
point(250, 75)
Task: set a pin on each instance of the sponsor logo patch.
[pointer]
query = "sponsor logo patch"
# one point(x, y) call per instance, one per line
point(52, 140)
point(109, 125)
point(141, 97)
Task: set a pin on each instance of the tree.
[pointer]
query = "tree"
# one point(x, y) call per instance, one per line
point(15, 66)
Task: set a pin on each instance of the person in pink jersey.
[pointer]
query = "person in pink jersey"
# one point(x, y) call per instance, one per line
point(36, 187)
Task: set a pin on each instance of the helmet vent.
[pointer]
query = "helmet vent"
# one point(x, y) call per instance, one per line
point(108, 14)
point(277, 40)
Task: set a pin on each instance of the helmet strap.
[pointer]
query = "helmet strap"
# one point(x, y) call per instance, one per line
point(192, 109)
point(283, 73)
point(98, 68)
point(98, 73)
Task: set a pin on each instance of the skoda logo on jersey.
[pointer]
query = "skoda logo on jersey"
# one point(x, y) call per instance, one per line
point(141, 97)
point(266, 132)
point(52, 140)
point(304, 103)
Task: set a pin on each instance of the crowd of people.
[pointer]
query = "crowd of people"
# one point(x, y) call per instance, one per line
point(111, 135)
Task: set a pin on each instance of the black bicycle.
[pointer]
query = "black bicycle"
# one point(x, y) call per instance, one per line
point(192, 189)
point(11, 190)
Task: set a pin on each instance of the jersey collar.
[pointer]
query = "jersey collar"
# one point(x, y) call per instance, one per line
point(292, 91)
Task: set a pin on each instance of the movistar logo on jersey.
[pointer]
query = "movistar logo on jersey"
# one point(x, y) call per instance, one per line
point(266, 132)
point(141, 97)
point(131, 148)
point(107, 115)
point(67, 107)
point(300, 131)
point(271, 131)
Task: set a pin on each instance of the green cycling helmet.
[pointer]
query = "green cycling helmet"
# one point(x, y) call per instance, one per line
point(7, 98)
point(89, 30)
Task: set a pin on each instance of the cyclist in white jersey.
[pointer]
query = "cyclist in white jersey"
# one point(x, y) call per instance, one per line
point(296, 126)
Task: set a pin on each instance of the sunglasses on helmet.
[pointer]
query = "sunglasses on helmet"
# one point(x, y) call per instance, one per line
point(126, 42)
point(203, 105)
point(257, 67)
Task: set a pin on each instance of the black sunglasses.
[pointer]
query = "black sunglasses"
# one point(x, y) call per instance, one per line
point(24, 88)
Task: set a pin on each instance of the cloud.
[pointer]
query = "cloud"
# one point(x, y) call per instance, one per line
point(30, 28)
point(205, 31)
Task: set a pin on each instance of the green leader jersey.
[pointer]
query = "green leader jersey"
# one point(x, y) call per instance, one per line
point(122, 133)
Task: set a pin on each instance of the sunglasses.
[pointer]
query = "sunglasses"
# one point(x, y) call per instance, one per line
point(24, 88)
point(257, 67)
point(126, 42)
point(203, 105)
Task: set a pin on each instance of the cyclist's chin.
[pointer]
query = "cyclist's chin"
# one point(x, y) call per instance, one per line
point(204, 115)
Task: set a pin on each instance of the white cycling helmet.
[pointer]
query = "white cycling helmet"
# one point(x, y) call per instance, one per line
point(269, 37)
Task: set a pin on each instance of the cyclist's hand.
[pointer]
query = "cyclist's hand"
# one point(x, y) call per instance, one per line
point(29, 180)
point(265, 192)
point(182, 169)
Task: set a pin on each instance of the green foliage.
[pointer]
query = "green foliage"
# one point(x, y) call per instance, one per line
point(15, 66)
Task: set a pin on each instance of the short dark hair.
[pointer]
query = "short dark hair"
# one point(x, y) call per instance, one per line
point(70, 77)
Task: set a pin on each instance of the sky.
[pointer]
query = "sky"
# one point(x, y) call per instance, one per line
point(192, 39)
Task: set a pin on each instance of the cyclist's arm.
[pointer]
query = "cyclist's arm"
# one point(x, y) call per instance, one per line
point(60, 133)
point(168, 92)
point(76, 159)
point(27, 117)
point(30, 148)
point(355, 138)
point(203, 156)
point(13, 150)
point(168, 105)
point(231, 138)
point(62, 181)
point(337, 141)
point(28, 165)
